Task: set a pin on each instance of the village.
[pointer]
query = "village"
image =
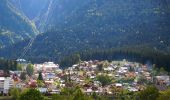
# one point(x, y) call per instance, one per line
point(100, 77)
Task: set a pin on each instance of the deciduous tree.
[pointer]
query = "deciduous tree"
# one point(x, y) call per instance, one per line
point(30, 70)
point(31, 94)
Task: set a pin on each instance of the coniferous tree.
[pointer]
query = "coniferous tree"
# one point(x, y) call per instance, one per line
point(23, 76)
point(40, 77)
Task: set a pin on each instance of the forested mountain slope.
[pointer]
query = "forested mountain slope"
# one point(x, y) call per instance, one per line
point(116, 22)
point(77, 25)
point(14, 26)
point(33, 9)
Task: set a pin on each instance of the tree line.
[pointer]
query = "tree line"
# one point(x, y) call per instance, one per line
point(149, 93)
point(142, 55)
point(8, 64)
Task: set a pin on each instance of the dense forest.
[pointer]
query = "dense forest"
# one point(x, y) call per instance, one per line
point(7, 65)
point(142, 55)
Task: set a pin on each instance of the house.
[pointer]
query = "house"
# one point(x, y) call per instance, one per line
point(1, 73)
point(46, 66)
point(122, 70)
point(132, 89)
point(55, 91)
point(108, 69)
point(5, 84)
point(43, 90)
point(118, 85)
point(162, 80)
point(21, 60)
point(32, 84)
point(49, 75)
point(88, 91)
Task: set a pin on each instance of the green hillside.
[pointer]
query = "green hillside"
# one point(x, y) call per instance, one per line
point(14, 26)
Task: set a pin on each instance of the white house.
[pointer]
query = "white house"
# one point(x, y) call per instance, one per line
point(118, 85)
point(5, 84)
point(46, 66)
point(108, 69)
